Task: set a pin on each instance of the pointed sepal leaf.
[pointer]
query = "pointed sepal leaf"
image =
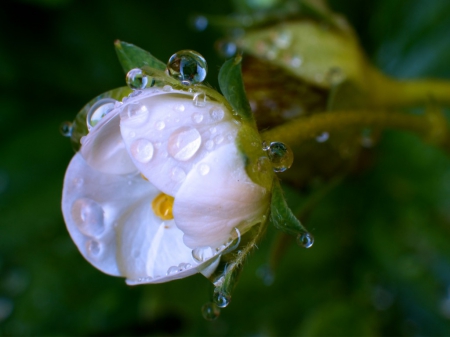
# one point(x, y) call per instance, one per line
point(280, 213)
point(131, 56)
point(232, 87)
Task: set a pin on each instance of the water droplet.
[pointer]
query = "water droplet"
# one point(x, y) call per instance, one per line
point(323, 137)
point(187, 66)
point(142, 150)
point(160, 125)
point(183, 266)
point(88, 216)
point(221, 299)
point(280, 156)
point(99, 110)
point(197, 117)
point(210, 311)
point(178, 174)
point(209, 144)
point(66, 129)
point(179, 108)
point(136, 112)
point(172, 270)
point(184, 143)
point(136, 79)
point(200, 23)
point(305, 240)
point(296, 61)
point(199, 99)
point(216, 114)
point(203, 169)
point(218, 139)
point(167, 88)
point(226, 48)
point(202, 254)
point(213, 129)
point(94, 248)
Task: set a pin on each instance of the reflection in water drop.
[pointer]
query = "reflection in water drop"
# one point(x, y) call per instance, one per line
point(88, 216)
point(305, 240)
point(99, 110)
point(280, 156)
point(221, 299)
point(187, 66)
point(136, 79)
point(142, 150)
point(184, 143)
point(66, 129)
point(210, 311)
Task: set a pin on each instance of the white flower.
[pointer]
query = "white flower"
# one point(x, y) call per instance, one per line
point(159, 188)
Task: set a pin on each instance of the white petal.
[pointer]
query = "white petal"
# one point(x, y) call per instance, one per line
point(216, 197)
point(166, 134)
point(104, 149)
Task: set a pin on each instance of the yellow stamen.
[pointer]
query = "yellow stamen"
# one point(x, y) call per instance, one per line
point(162, 206)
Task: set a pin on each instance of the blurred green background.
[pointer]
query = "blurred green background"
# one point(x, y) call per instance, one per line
point(381, 261)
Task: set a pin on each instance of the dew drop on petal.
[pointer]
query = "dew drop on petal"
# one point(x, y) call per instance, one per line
point(136, 79)
point(142, 150)
point(305, 240)
point(135, 112)
point(179, 108)
point(99, 110)
point(66, 129)
point(199, 99)
point(218, 139)
point(323, 137)
point(221, 299)
point(210, 311)
point(209, 144)
point(216, 114)
point(203, 169)
point(280, 156)
point(167, 88)
point(160, 125)
point(178, 174)
point(197, 117)
point(94, 248)
point(188, 67)
point(172, 270)
point(184, 143)
point(202, 254)
point(88, 215)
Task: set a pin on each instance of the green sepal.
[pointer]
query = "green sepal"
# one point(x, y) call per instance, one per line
point(281, 215)
point(232, 87)
point(79, 126)
point(131, 56)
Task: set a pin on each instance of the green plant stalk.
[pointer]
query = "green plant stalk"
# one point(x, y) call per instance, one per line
point(431, 127)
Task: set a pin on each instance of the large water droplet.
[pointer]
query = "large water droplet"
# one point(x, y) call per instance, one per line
point(142, 150)
point(202, 254)
point(94, 248)
point(88, 216)
point(136, 79)
point(210, 311)
point(280, 155)
point(305, 240)
point(99, 110)
point(178, 174)
point(187, 66)
point(221, 299)
point(184, 143)
point(66, 129)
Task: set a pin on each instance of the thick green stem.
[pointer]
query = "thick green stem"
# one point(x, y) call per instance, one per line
point(431, 127)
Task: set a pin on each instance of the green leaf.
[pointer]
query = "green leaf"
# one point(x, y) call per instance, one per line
point(232, 87)
point(131, 56)
point(280, 213)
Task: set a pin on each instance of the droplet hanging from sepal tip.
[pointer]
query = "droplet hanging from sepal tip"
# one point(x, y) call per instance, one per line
point(305, 240)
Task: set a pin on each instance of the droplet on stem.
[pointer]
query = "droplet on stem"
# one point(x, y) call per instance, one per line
point(136, 79)
point(305, 240)
point(210, 311)
point(280, 155)
point(188, 67)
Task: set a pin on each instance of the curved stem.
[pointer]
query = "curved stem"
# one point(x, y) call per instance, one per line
point(431, 127)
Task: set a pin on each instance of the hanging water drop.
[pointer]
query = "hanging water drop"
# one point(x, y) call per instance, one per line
point(305, 240)
point(66, 129)
point(99, 110)
point(136, 79)
point(188, 67)
point(210, 311)
point(280, 155)
point(221, 299)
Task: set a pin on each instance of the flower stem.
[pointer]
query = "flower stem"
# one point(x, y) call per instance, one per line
point(431, 126)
